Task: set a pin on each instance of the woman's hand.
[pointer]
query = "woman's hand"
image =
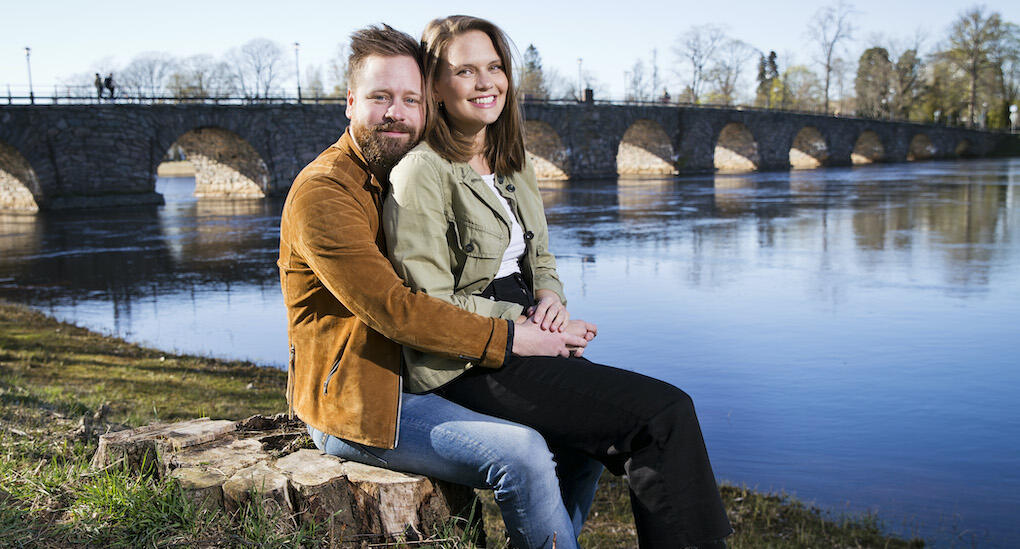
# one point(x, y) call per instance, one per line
point(581, 328)
point(549, 312)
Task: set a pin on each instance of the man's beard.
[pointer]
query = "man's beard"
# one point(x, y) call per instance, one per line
point(381, 152)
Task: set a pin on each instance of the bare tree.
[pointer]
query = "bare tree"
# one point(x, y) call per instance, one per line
point(338, 72)
point(697, 48)
point(558, 86)
point(201, 76)
point(638, 83)
point(976, 40)
point(841, 68)
point(314, 86)
point(148, 74)
point(725, 73)
point(829, 27)
point(258, 66)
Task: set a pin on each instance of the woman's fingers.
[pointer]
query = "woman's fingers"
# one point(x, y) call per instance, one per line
point(560, 321)
point(538, 317)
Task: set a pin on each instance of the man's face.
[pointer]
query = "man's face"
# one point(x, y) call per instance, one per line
point(385, 109)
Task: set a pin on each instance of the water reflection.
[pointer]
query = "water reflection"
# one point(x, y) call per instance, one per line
point(848, 333)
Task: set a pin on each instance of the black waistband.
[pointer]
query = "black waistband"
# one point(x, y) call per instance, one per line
point(511, 288)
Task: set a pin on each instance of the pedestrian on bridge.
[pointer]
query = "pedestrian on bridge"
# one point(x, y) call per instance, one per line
point(99, 87)
point(109, 85)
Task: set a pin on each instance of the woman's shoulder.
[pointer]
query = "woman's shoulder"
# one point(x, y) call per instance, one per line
point(423, 152)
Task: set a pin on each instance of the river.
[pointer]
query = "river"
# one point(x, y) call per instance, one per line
point(850, 335)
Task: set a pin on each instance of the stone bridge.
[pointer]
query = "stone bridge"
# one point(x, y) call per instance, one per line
point(66, 156)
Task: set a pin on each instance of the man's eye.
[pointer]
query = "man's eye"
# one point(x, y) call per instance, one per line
point(413, 100)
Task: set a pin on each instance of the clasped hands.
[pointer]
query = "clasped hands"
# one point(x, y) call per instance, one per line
point(547, 330)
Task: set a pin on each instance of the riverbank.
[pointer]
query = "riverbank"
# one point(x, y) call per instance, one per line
point(61, 386)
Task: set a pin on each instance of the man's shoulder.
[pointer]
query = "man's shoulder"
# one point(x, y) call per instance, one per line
point(335, 167)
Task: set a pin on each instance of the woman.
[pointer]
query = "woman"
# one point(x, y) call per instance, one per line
point(465, 223)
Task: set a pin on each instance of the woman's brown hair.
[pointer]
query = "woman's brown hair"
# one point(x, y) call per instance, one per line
point(504, 138)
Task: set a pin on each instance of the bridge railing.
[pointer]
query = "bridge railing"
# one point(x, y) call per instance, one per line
point(86, 95)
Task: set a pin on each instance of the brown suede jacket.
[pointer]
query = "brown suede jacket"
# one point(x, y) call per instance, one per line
point(347, 310)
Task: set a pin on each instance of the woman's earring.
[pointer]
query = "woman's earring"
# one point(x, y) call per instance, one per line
point(442, 105)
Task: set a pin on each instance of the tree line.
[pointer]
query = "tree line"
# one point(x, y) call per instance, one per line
point(258, 69)
point(969, 76)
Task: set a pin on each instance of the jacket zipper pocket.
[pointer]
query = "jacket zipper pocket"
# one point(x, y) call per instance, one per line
point(325, 385)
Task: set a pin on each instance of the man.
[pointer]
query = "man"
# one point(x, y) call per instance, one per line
point(348, 312)
point(99, 86)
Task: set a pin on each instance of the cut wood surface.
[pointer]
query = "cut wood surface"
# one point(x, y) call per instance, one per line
point(270, 463)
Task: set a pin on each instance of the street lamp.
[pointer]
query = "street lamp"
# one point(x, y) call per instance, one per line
point(28, 61)
point(297, 69)
point(580, 87)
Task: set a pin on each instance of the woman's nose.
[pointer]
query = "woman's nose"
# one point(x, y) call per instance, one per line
point(483, 82)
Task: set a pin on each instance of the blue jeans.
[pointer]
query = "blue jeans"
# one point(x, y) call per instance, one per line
point(443, 440)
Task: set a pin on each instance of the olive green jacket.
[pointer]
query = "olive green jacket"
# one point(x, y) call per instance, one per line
point(446, 233)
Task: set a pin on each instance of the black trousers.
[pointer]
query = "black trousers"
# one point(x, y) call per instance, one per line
point(631, 423)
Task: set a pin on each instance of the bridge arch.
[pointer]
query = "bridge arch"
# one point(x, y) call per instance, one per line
point(964, 149)
point(550, 158)
point(809, 149)
point(19, 185)
point(921, 148)
point(736, 150)
point(868, 148)
point(645, 149)
point(226, 165)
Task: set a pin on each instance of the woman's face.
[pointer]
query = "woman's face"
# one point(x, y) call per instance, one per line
point(471, 84)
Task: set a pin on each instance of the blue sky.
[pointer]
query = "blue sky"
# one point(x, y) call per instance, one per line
point(74, 37)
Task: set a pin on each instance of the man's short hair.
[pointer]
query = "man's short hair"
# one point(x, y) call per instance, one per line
point(382, 40)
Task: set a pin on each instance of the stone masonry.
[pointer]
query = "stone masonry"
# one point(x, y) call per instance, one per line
point(63, 156)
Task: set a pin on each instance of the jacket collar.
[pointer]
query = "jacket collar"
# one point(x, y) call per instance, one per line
point(470, 178)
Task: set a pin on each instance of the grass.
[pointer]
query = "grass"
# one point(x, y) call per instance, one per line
point(61, 386)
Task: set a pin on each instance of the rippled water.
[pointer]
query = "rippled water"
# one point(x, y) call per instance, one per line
point(849, 335)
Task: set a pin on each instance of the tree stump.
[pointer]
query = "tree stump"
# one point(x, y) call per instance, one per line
point(270, 463)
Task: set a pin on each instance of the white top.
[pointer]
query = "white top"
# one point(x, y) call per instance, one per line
point(516, 248)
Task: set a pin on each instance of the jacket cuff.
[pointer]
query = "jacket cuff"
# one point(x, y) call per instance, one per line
point(509, 341)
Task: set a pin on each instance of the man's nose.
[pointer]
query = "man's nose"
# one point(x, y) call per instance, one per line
point(396, 112)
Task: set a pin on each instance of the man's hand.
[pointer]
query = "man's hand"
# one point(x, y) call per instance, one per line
point(549, 312)
point(531, 340)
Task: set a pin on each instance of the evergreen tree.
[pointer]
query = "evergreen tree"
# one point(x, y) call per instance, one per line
point(873, 83)
point(532, 79)
point(768, 76)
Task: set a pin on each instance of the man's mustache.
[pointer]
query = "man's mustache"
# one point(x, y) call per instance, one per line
point(393, 127)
